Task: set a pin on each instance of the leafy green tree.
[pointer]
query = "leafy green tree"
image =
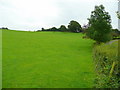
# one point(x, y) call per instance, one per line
point(100, 25)
point(63, 28)
point(74, 26)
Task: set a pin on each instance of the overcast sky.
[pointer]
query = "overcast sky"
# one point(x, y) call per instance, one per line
point(35, 14)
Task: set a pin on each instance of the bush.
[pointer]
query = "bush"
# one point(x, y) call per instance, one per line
point(106, 61)
point(115, 33)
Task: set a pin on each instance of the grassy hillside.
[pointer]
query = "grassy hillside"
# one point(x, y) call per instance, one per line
point(46, 60)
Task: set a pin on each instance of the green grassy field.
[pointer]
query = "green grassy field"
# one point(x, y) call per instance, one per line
point(46, 60)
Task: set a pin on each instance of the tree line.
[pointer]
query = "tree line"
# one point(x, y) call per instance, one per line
point(73, 26)
point(4, 28)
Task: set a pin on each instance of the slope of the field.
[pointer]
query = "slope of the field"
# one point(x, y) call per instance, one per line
point(46, 60)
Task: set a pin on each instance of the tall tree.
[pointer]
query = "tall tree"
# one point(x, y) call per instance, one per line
point(100, 25)
point(74, 26)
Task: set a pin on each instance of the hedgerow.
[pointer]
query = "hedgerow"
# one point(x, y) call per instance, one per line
point(107, 65)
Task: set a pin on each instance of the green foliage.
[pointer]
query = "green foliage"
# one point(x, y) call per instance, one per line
point(118, 14)
point(115, 33)
point(54, 29)
point(50, 29)
point(85, 28)
point(100, 25)
point(46, 60)
point(4, 28)
point(105, 56)
point(43, 29)
point(74, 26)
point(63, 28)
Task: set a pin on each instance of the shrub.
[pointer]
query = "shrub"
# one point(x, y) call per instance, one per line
point(106, 61)
point(115, 33)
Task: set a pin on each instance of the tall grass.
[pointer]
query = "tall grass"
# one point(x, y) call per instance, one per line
point(106, 60)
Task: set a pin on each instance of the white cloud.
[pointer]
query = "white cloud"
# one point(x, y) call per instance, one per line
point(34, 14)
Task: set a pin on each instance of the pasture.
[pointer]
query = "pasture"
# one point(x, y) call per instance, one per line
point(46, 60)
